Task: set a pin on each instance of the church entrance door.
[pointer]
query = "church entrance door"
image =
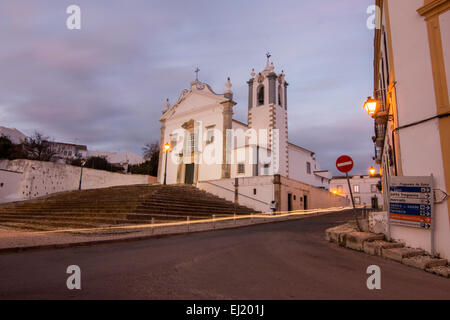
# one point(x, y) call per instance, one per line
point(189, 174)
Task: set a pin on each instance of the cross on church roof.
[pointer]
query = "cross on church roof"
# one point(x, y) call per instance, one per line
point(268, 55)
point(196, 72)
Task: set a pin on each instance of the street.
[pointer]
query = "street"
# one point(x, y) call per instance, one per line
point(288, 260)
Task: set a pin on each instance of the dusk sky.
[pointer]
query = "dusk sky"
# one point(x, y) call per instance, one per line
point(105, 85)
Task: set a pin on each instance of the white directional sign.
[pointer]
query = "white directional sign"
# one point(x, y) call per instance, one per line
point(411, 201)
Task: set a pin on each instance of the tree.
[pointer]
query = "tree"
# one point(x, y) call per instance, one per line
point(6, 147)
point(38, 147)
point(101, 163)
point(151, 155)
point(149, 150)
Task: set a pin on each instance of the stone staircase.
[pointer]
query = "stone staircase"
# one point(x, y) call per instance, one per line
point(124, 205)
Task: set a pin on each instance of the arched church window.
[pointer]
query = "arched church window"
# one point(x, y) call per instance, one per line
point(279, 95)
point(260, 95)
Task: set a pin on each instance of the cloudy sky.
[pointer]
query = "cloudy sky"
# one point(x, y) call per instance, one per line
point(105, 85)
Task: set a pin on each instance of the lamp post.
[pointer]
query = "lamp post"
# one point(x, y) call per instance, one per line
point(167, 147)
point(372, 171)
point(83, 162)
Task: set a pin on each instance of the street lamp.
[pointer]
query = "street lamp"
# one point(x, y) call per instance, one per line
point(83, 162)
point(371, 106)
point(166, 148)
point(372, 171)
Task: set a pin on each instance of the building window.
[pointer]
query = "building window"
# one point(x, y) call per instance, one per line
point(340, 188)
point(241, 168)
point(266, 169)
point(373, 188)
point(261, 96)
point(173, 140)
point(356, 188)
point(210, 136)
point(357, 200)
point(279, 96)
point(308, 167)
point(254, 192)
point(192, 142)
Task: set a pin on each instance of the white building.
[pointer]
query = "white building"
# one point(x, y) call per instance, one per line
point(13, 134)
point(411, 85)
point(196, 127)
point(208, 145)
point(364, 188)
point(67, 152)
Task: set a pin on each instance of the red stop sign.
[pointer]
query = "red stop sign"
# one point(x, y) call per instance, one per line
point(344, 164)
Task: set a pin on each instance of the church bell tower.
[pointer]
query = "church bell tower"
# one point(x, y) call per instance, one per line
point(267, 109)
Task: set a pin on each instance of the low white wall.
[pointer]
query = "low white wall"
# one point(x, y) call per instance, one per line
point(226, 189)
point(316, 198)
point(31, 179)
point(9, 185)
point(258, 192)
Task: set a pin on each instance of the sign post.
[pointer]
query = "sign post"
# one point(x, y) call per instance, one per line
point(411, 203)
point(345, 164)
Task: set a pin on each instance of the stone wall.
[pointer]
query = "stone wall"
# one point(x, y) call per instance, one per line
point(305, 196)
point(26, 179)
point(258, 192)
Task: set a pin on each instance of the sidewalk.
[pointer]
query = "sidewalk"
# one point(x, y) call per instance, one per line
point(348, 236)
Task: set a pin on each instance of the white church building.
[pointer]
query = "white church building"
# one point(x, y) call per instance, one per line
point(252, 164)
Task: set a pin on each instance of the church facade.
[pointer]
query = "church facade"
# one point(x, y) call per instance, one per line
point(207, 144)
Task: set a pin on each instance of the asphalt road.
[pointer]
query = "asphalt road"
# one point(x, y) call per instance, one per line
point(289, 260)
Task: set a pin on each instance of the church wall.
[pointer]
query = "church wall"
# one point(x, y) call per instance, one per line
point(38, 178)
point(298, 160)
point(209, 117)
point(225, 189)
point(280, 122)
point(316, 198)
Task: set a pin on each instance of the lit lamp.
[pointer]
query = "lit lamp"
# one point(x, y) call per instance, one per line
point(371, 106)
point(166, 148)
point(372, 171)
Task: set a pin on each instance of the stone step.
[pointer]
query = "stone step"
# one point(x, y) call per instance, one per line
point(190, 208)
point(398, 254)
point(117, 206)
point(443, 271)
point(424, 262)
point(376, 247)
point(355, 240)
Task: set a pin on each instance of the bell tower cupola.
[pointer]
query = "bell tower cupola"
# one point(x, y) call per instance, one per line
point(267, 109)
